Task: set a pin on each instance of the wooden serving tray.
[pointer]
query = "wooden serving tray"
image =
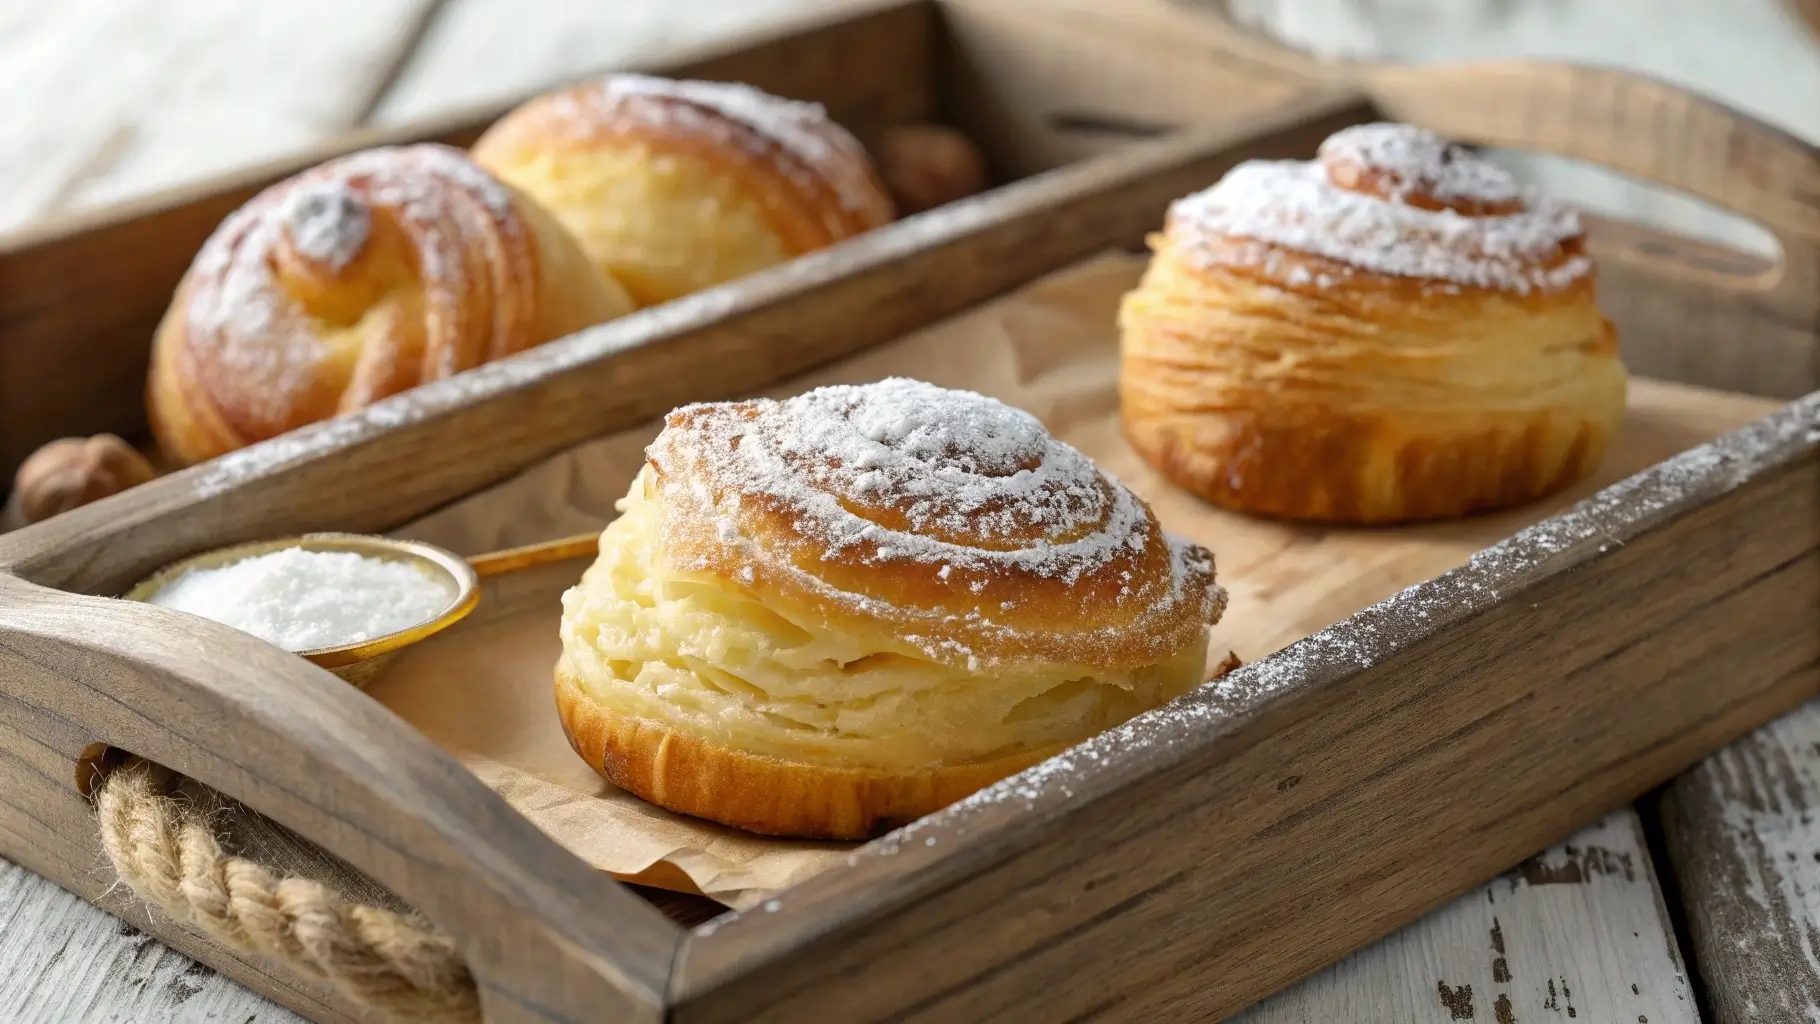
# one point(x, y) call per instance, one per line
point(1199, 858)
point(1006, 72)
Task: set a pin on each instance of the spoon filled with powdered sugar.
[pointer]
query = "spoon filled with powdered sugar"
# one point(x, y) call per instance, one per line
point(347, 602)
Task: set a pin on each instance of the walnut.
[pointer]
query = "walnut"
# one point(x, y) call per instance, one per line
point(926, 165)
point(71, 472)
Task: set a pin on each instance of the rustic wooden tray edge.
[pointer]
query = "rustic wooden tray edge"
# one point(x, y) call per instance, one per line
point(1401, 652)
point(714, 969)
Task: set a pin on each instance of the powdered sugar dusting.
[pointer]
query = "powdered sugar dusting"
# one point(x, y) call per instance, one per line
point(902, 472)
point(979, 483)
point(327, 222)
point(304, 600)
point(258, 348)
point(762, 288)
point(1416, 159)
point(1296, 205)
point(821, 150)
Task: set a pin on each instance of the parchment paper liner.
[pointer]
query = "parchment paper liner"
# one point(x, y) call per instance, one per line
point(483, 690)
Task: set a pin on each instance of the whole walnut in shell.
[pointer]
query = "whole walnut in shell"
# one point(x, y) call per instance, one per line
point(71, 472)
point(926, 165)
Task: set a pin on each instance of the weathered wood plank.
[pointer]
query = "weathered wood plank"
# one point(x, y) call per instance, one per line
point(1742, 834)
point(479, 51)
point(64, 960)
point(110, 99)
point(1578, 931)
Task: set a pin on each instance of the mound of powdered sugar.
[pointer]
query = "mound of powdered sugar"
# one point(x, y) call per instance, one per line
point(1416, 158)
point(307, 600)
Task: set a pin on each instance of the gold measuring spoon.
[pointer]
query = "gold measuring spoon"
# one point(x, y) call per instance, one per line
point(359, 662)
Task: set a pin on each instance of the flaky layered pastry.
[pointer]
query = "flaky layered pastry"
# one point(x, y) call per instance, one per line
point(817, 616)
point(356, 280)
point(1394, 331)
point(674, 186)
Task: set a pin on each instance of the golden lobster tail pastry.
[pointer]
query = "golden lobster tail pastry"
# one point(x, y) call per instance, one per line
point(819, 616)
point(1394, 331)
point(356, 280)
point(673, 186)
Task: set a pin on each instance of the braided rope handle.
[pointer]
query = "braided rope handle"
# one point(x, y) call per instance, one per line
point(164, 850)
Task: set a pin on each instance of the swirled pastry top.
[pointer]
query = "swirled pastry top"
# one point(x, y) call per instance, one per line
point(358, 279)
point(950, 517)
point(1387, 199)
point(814, 153)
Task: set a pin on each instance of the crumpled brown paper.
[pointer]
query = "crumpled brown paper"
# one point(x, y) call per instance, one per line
point(483, 690)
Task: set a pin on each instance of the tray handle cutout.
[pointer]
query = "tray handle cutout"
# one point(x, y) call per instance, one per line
point(1657, 132)
point(166, 851)
point(1637, 125)
point(545, 936)
point(1622, 120)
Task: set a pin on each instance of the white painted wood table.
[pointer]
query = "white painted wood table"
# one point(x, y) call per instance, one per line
point(101, 100)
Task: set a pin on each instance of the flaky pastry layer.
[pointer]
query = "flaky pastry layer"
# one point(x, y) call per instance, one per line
point(674, 186)
point(735, 666)
point(662, 224)
point(1302, 387)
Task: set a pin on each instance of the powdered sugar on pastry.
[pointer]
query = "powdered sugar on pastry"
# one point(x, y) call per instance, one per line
point(823, 149)
point(246, 328)
point(327, 222)
point(1418, 160)
point(949, 498)
point(1389, 199)
point(977, 482)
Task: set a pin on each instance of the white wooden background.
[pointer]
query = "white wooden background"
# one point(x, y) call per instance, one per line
point(102, 100)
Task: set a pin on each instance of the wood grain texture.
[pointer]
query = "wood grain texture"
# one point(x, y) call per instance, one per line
point(67, 961)
point(1741, 832)
point(429, 831)
point(1749, 53)
point(481, 50)
point(127, 98)
point(1578, 931)
point(1409, 737)
point(375, 790)
point(1016, 84)
point(1603, 121)
point(1607, 122)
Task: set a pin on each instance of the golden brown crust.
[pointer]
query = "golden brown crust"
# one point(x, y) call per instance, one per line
point(857, 605)
point(1459, 364)
point(1366, 469)
point(813, 182)
point(355, 281)
point(674, 770)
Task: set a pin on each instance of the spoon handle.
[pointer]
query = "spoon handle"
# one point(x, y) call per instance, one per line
point(495, 563)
